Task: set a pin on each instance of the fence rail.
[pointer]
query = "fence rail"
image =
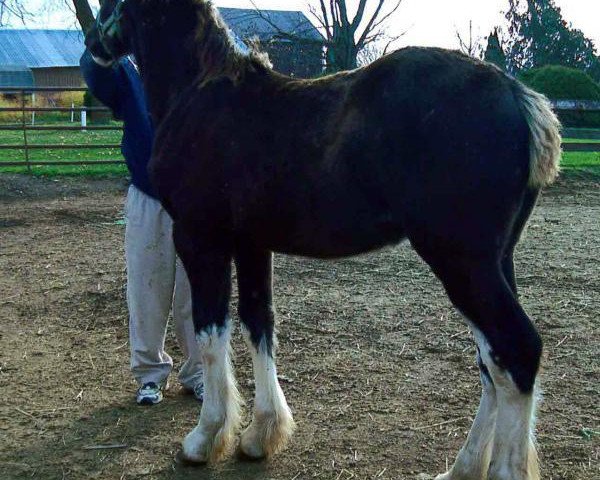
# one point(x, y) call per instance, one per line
point(580, 105)
point(63, 127)
point(577, 106)
point(28, 117)
point(24, 126)
point(581, 147)
point(54, 109)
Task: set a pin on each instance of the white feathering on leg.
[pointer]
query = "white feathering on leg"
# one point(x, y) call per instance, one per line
point(473, 460)
point(212, 439)
point(272, 423)
point(514, 455)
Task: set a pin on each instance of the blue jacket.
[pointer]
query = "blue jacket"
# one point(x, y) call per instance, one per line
point(120, 88)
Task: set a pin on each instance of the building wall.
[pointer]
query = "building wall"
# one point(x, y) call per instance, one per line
point(58, 77)
point(294, 59)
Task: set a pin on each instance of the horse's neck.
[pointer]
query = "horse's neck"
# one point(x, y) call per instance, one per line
point(165, 71)
point(185, 56)
point(163, 80)
point(168, 60)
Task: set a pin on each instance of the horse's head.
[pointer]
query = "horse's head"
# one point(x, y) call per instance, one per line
point(109, 38)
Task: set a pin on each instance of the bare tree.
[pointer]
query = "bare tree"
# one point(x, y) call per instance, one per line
point(374, 50)
point(18, 9)
point(12, 8)
point(83, 12)
point(344, 37)
point(471, 46)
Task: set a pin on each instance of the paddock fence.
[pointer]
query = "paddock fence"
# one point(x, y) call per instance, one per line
point(25, 120)
point(25, 109)
point(581, 134)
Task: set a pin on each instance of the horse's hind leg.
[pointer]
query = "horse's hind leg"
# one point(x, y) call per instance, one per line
point(507, 262)
point(473, 460)
point(510, 351)
point(474, 457)
point(209, 272)
point(272, 424)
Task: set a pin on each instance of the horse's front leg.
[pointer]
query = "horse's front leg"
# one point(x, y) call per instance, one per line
point(209, 272)
point(272, 423)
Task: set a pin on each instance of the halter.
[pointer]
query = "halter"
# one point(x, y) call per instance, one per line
point(111, 27)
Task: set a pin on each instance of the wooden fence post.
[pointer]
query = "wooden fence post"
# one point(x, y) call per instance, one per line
point(24, 125)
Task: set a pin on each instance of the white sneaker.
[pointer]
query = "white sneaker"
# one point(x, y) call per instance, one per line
point(149, 394)
point(197, 391)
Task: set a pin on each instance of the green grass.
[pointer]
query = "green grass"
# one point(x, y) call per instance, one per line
point(580, 162)
point(63, 155)
point(580, 140)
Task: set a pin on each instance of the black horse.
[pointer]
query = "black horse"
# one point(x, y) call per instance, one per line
point(424, 144)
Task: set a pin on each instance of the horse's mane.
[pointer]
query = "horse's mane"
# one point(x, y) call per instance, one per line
point(216, 50)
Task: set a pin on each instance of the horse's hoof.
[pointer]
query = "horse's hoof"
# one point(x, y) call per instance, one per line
point(425, 476)
point(250, 449)
point(267, 435)
point(181, 459)
point(194, 448)
point(249, 456)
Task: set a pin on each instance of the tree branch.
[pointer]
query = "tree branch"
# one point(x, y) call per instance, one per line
point(12, 8)
point(386, 16)
point(329, 26)
point(369, 26)
point(84, 14)
point(341, 4)
point(280, 33)
point(359, 15)
point(319, 21)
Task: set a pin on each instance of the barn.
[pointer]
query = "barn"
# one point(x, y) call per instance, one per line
point(299, 53)
point(50, 58)
point(41, 58)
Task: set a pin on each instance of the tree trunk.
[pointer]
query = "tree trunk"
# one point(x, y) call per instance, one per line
point(342, 52)
point(84, 14)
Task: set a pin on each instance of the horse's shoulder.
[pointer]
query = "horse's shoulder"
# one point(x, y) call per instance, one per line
point(215, 93)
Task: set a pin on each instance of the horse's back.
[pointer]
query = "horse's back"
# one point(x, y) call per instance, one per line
point(424, 141)
point(446, 140)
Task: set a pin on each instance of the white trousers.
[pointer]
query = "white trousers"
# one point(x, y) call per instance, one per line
point(156, 284)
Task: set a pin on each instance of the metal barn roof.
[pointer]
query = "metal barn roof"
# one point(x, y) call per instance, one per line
point(41, 48)
point(266, 24)
point(63, 48)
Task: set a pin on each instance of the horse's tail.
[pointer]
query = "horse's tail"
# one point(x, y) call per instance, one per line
point(544, 136)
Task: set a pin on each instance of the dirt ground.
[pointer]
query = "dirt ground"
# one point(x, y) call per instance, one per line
point(377, 366)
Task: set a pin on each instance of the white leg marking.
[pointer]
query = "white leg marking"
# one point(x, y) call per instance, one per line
point(272, 423)
point(514, 456)
point(473, 460)
point(219, 422)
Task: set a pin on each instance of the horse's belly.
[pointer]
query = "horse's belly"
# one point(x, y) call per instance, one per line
point(338, 237)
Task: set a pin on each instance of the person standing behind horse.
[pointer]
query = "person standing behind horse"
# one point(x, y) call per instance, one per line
point(156, 280)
